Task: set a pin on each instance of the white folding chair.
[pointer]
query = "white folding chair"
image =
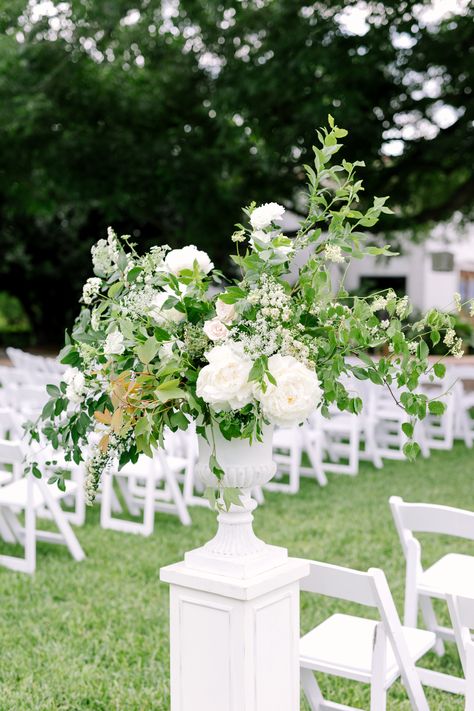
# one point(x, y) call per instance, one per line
point(461, 610)
point(32, 496)
point(384, 424)
point(439, 429)
point(453, 573)
point(340, 441)
point(375, 652)
point(464, 402)
point(142, 494)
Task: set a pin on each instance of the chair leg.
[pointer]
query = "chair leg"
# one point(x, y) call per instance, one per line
point(30, 539)
point(176, 494)
point(295, 461)
point(64, 526)
point(5, 531)
point(311, 690)
point(429, 616)
point(470, 677)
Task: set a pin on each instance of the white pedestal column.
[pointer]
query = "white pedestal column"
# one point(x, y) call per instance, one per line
point(234, 641)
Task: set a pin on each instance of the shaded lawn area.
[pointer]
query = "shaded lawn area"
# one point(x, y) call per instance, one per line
point(94, 635)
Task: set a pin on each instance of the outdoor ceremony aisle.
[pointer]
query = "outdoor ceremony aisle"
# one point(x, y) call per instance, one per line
point(94, 636)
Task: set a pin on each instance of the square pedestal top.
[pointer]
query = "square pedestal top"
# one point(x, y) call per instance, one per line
point(290, 571)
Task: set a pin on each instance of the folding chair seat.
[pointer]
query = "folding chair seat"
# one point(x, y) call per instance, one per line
point(461, 610)
point(372, 651)
point(32, 496)
point(451, 574)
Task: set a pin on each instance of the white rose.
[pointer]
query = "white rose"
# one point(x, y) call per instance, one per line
point(264, 215)
point(179, 259)
point(295, 396)
point(161, 315)
point(114, 344)
point(215, 330)
point(224, 383)
point(225, 312)
point(75, 384)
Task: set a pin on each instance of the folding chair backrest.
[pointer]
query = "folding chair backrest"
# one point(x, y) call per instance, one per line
point(341, 583)
point(431, 518)
point(27, 398)
point(10, 424)
point(11, 452)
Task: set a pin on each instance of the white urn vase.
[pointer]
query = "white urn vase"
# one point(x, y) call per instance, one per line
point(235, 550)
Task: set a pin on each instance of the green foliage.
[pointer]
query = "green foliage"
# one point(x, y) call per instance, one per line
point(112, 122)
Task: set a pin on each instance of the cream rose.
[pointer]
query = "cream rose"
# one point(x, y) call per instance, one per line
point(179, 259)
point(295, 396)
point(161, 315)
point(215, 330)
point(225, 312)
point(114, 344)
point(224, 382)
point(264, 215)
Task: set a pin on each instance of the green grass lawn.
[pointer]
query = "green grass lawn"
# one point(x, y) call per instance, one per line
point(94, 635)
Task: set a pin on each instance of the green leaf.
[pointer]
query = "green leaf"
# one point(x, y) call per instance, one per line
point(231, 496)
point(439, 370)
point(423, 350)
point(411, 450)
point(215, 467)
point(408, 429)
point(435, 337)
point(114, 290)
point(53, 390)
point(436, 407)
point(133, 273)
point(148, 350)
point(258, 369)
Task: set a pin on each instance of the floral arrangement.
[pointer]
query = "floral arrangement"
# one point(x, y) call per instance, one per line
point(164, 338)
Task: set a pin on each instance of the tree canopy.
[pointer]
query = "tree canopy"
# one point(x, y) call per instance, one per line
point(163, 119)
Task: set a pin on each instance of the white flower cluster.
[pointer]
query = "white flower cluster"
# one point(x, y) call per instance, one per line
point(75, 382)
point(138, 300)
point(402, 307)
point(333, 253)
point(90, 289)
point(105, 254)
point(455, 344)
point(265, 215)
point(273, 301)
point(224, 384)
point(294, 347)
point(263, 338)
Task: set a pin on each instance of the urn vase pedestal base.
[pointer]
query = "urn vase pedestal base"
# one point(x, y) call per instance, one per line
point(234, 602)
point(235, 550)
